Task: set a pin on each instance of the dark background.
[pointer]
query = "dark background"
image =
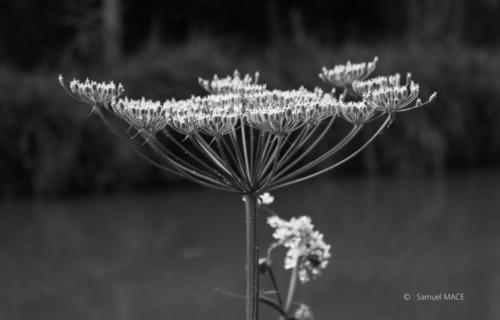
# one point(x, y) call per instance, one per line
point(89, 231)
point(159, 50)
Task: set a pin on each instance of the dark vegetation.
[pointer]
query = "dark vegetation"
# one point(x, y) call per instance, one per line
point(49, 146)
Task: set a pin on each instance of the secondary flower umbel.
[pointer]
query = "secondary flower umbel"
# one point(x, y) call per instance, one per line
point(307, 250)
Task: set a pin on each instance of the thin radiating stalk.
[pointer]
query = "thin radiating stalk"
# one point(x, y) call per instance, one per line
point(228, 162)
point(239, 154)
point(311, 147)
point(192, 174)
point(263, 154)
point(204, 146)
point(256, 160)
point(252, 257)
point(269, 157)
point(245, 154)
point(131, 145)
point(302, 136)
point(352, 155)
point(327, 154)
point(274, 160)
point(234, 157)
point(189, 153)
point(199, 172)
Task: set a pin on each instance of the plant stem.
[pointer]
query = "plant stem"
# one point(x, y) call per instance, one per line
point(275, 285)
point(252, 257)
point(291, 290)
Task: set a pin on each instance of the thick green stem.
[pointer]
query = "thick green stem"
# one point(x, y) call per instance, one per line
point(252, 257)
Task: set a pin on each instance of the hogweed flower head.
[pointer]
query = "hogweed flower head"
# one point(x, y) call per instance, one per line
point(143, 115)
point(345, 74)
point(391, 96)
point(245, 138)
point(282, 112)
point(307, 250)
point(234, 84)
point(92, 93)
point(357, 113)
point(362, 87)
point(213, 115)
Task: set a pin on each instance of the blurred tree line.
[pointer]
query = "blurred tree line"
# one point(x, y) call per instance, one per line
point(158, 49)
point(34, 33)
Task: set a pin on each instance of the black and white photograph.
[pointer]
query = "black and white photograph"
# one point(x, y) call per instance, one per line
point(252, 160)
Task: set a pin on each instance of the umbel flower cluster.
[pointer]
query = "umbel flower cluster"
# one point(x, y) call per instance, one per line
point(244, 137)
point(306, 249)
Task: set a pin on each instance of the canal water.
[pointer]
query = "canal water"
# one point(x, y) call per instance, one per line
point(180, 254)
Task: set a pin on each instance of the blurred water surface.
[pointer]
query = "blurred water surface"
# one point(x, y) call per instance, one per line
point(179, 254)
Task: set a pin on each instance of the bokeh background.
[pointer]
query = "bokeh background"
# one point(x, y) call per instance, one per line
point(89, 231)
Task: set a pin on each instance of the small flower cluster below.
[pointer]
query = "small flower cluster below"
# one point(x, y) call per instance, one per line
point(307, 251)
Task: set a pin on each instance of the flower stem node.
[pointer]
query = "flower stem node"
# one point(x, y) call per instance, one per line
point(263, 265)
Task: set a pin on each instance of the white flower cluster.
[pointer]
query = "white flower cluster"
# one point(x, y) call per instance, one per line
point(233, 84)
point(383, 94)
point(214, 115)
point(143, 115)
point(363, 87)
point(239, 100)
point(277, 112)
point(281, 112)
point(389, 95)
point(266, 198)
point(357, 112)
point(94, 93)
point(306, 248)
point(345, 74)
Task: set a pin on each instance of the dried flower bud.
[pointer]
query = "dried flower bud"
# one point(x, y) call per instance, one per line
point(345, 74)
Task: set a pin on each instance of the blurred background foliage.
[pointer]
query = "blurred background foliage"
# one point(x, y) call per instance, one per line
point(50, 148)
